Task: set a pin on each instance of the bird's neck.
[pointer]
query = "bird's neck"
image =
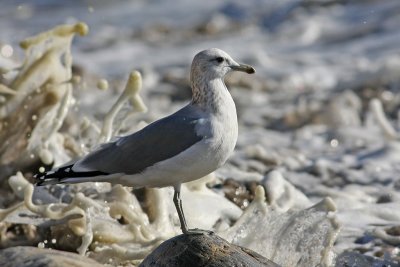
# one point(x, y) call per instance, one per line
point(213, 96)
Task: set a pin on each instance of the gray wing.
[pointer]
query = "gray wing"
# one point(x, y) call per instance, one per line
point(158, 141)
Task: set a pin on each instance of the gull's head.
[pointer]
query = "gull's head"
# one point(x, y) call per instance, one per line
point(214, 63)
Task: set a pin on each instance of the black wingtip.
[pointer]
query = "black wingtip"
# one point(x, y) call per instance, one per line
point(40, 178)
point(46, 178)
point(58, 176)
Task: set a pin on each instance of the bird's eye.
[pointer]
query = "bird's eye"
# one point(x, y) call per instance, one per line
point(219, 59)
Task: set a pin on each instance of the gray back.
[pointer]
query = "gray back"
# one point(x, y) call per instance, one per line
point(158, 141)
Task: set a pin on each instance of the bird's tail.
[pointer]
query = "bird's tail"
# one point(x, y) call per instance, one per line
point(65, 174)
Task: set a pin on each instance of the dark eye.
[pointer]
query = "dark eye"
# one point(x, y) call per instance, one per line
point(219, 59)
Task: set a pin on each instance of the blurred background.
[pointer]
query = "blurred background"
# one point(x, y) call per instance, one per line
point(299, 45)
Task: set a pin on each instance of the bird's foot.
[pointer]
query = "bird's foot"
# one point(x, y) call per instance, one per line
point(197, 231)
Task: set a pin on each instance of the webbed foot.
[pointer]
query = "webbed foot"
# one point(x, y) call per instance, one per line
point(197, 231)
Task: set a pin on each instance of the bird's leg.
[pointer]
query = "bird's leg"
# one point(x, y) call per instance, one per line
point(178, 206)
point(181, 215)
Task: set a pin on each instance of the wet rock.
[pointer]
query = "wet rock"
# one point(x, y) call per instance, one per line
point(36, 257)
point(395, 230)
point(366, 238)
point(356, 259)
point(42, 196)
point(386, 198)
point(203, 250)
point(66, 239)
point(18, 235)
point(240, 193)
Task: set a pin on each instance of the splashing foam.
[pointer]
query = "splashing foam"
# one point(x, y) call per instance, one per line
point(284, 237)
point(41, 89)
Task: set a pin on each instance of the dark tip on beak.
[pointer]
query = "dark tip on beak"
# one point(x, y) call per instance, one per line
point(244, 68)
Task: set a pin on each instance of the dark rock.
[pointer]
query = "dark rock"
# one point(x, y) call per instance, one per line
point(240, 193)
point(384, 199)
point(203, 250)
point(364, 239)
point(42, 196)
point(356, 259)
point(394, 230)
point(36, 257)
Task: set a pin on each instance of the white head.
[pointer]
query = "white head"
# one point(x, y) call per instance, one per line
point(213, 64)
point(206, 76)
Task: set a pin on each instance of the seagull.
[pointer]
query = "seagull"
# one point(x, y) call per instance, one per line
point(184, 146)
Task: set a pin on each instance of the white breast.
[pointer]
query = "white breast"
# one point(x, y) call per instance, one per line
point(225, 129)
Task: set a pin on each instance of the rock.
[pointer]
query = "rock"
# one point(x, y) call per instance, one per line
point(357, 259)
point(37, 257)
point(240, 193)
point(203, 250)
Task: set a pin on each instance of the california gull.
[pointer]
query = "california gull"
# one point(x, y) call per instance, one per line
point(185, 146)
